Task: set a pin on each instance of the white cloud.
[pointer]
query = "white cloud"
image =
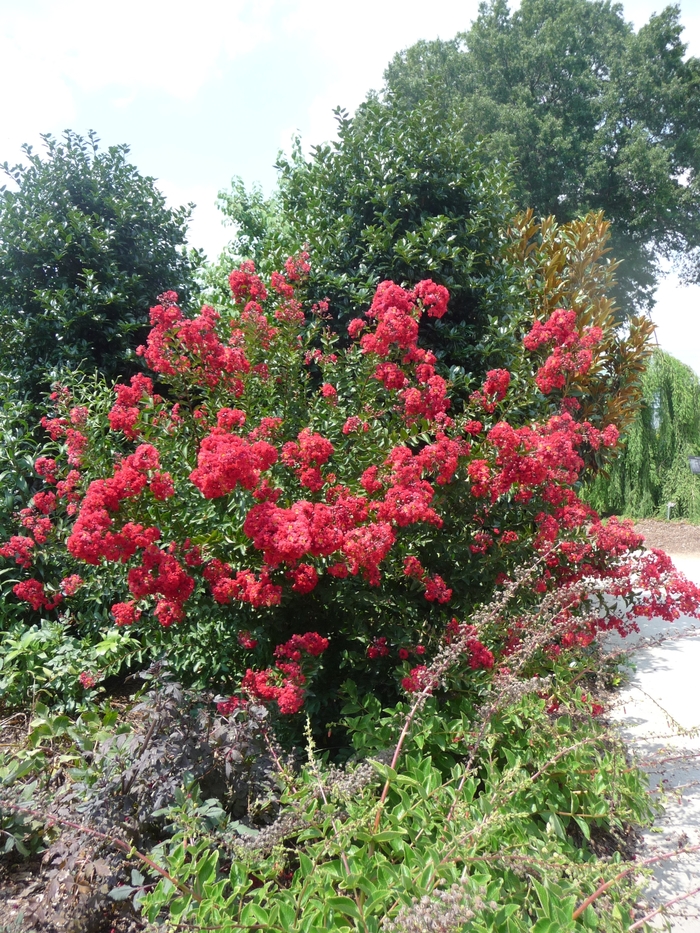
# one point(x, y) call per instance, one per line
point(49, 51)
point(145, 44)
point(354, 43)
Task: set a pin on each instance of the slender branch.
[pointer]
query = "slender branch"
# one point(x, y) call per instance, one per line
point(647, 917)
point(628, 871)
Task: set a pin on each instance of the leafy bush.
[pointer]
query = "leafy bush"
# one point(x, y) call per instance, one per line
point(403, 194)
point(85, 243)
point(339, 522)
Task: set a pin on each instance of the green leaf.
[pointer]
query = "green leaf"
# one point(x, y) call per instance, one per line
point(122, 893)
point(584, 827)
point(344, 905)
point(254, 913)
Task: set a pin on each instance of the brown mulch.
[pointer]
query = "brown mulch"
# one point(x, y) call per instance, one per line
point(678, 537)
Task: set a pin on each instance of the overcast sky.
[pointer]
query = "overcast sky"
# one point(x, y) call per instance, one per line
point(204, 91)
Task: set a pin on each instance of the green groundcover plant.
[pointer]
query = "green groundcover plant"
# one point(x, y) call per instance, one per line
point(286, 514)
point(500, 809)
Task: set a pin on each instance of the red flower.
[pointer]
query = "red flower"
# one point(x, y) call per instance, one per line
point(330, 393)
point(44, 502)
point(305, 578)
point(378, 648)
point(125, 613)
point(20, 548)
point(161, 486)
point(48, 468)
point(412, 567)
point(246, 640)
point(32, 592)
point(436, 590)
point(226, 707)
point(420, 679)
point(70, 585)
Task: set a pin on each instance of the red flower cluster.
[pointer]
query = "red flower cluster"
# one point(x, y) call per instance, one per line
point(39, 526)
point(244, 586)
point(428, 403)
point(125, 613)
point(307, 457)
point(330, 393)
point(421, 679)
point(298, 267)
point(192, 348)
point(76, 442)
point(161, 574)
point(433, 297)
point(32, 591)
point(543, 457)
point(436, 590)
point(70, 585)
point(311, 643)
point(571, 352)
point(20, 548)
point(378, 649)
point(305, 578)
point(245, 285)
point(480, 658)
point(125, 413)
point(246, 640)
point(226, 707)
point(47, 468)
point(353, 424)
point(44, 502)
point(68, 489)
point(228, 460)
point(54, 427)
point(285, 683)
point(91, 539)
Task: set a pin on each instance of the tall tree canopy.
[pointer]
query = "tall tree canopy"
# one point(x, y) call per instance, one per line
point(86, 245)
point(594, 115)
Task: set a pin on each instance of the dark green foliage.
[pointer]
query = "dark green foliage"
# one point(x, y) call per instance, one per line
point(593, 115)
point(404, 194)
point(86, 245)
point(653, 468)
point(17, 452)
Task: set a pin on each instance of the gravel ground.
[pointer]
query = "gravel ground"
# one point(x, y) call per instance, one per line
point(673, 537)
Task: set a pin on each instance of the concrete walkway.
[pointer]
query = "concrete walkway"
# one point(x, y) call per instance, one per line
point(659, 713)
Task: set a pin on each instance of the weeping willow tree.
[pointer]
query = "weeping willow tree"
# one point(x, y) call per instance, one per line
point(652, 469)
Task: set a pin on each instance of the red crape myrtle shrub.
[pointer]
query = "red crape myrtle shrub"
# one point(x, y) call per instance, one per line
point(333, 510)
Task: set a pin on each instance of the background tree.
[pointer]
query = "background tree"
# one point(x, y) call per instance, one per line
point(652, 469)
point(403, 194)
point(86, 245)
point(593, 115)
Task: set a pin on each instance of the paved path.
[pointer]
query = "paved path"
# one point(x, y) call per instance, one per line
point(659, 713)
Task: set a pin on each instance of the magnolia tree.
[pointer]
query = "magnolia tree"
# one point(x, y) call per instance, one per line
point(318, 514)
